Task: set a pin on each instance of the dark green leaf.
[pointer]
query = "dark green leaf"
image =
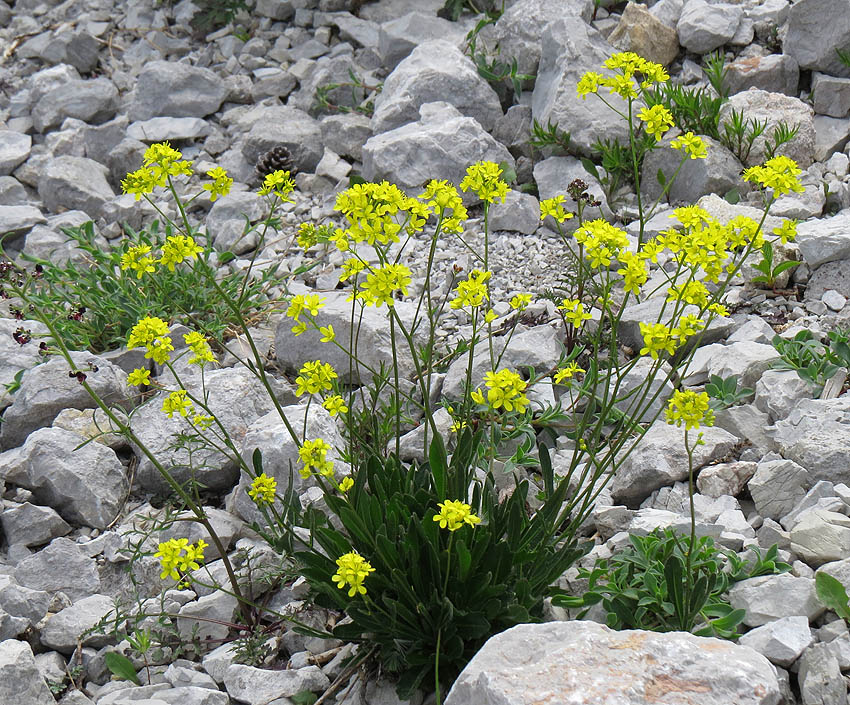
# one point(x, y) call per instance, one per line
point(121, 666)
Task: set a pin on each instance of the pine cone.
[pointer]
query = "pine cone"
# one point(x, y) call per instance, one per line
point(277, 159)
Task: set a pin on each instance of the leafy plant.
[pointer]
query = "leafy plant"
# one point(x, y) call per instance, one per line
point(436, 595)
point(550, 136)
point(844, 56)
point(716, 71)
point(490, 64)
point(94, 305)
point(215, 14)
point(644, 586)
point(831, 593)
point(769, 273)
point(618, 163)
point(724, 392)
point(807, 357)
point(121, 667)
point(361, 96)
point(694, 110)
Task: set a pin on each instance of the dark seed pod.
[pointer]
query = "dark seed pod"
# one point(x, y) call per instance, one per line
point(277, 159)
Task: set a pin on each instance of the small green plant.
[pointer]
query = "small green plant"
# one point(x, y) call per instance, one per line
point(739, 135)
point(491, 65)
point(694, 110)
point(618, 162)
point(724, 392)
point(844, 56)
point(122, 668)
point(831, 593)
point(782, 134)
point(94, 304)
point(715, 71)
point(215, 14)
point(253, 647)
point(361, 96)
point(769, 273)
point(550, 136)
point(807, 357)
point(644, 586)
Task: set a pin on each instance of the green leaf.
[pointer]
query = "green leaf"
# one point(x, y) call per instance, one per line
point(464, 559)
point(782, 266)
point(122, 667)
point(590, 168)
point(438, 462)
point(305, 697)
point(662, 180)
point(832, 594)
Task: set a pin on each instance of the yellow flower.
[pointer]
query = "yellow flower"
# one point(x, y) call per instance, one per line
point(202, 421)
point(335, 405)
point(657, 338)
point(138, 259)
point(346, 484)
point(220, 185)
point(692, 144)
point(719, 309)
point(278, 183)
point(484, 179)
point(657, 120)
point(139, 377)
point(263, 489)
point(200, 347)
point(506, 389)
point(454, 514)
point(328, 334)
point(693, 292)
point(567, 372)
point(690, 408)
point(779, 174)
point(314, 377)
point(171, 557)
point(299, 328)
point(300, 303)
point(787, 231)
point(382, 284)
point(574, 312)
point(164, 161)
point(177, 401)
point(146, 330)
point(520, 302)
point(139, 182)
point(159, 348)
point(352, 570)
point(314, 456)
point(473, 291)
point(490, 316)
point(554, 207)
point(351, 268)
point(178, 248)
point(633, 271)
point(589, 83)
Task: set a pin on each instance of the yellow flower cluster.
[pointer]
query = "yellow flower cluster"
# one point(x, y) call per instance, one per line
point(473, 291)
point(657, 120)
point(314, 456)
point(279, 184)
point(454, 514)
point(352, 570)
point(179, 555)
point(152, 333)
point(484, 178)
point(520, 302)
point(263, 489)
point(201, 352)
point(631, 72)
point(335, 405)
point(567, 372)
point(505, 390)
point(690, 408)
point(443, 198)
point(555, 207)
point(315, 377)
point(382, 284)
point(311, 303)
point(220, 185)
point(373, 212)
point(177, 248)
point(601, 241)
point(692, 144)
point(779, 174)
point(177, 402)
point(574, 312)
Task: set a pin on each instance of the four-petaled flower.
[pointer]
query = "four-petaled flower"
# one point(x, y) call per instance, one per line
point(454, 514)
point(352, 570)
point(263, 489)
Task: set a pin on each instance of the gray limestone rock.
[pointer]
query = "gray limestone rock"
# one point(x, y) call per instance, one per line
point(725, 478)
point(160, 129)
point(170, 89)
point(816, 28)
point(821, 537)
point(775, 108)
point(62, 566)
point(816, 435)
point(435, 70)
point(398, 37)
point(530, 663)
point(778, 486)
point(225, 222)
point(92, 101)
point(75, 183)
point(20, 681)
point(831, 135)
point(345, 134)
point(255, 686)
point(518, 32)
point(47, 389)
point(440, 145)
point(824, 240)
point(820, 677)
point(20, 601)
point(287, 126)
point(770, 597)
point(719, 172)
point(570, 48)
point(661, 460)
point(831, 95)
point(87, 486)
point(30, 525)
point(779, 391)
point(65, 46)
point(782, 641)
point(14, 148)
point(17, 220)
point(703, 27)
point(519, 213)
point(63, 631)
